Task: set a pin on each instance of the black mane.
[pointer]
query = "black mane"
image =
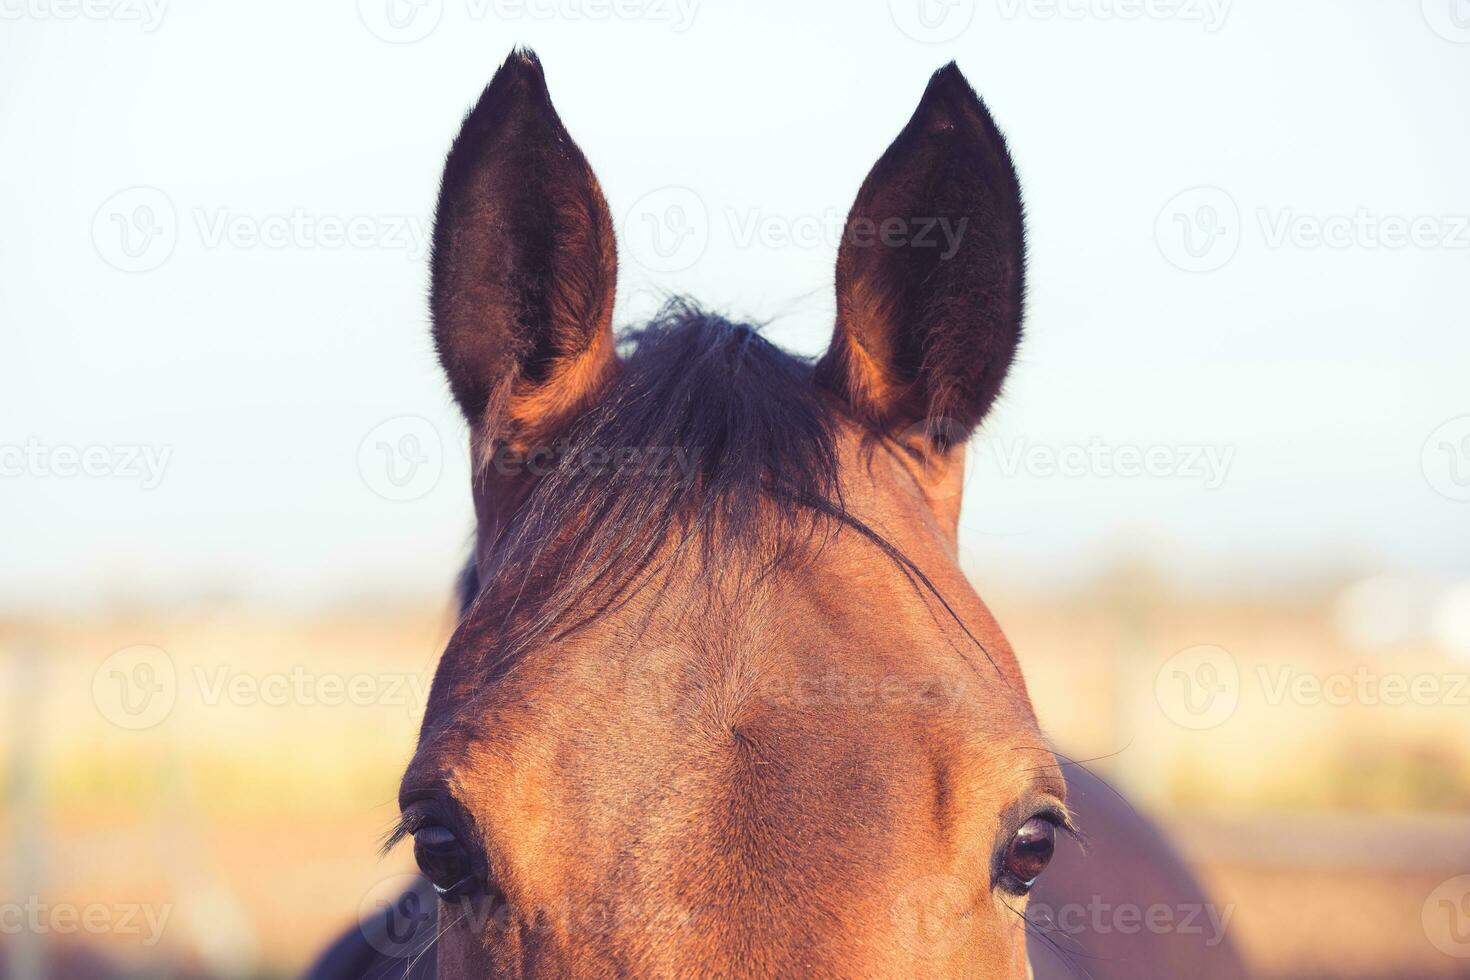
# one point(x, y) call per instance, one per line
point(739, 467)
point(710, 436)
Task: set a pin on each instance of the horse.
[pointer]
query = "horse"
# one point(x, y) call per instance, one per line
point(720, 701)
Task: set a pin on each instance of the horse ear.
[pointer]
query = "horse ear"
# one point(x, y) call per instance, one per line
point(524, 266)
point(930, 274)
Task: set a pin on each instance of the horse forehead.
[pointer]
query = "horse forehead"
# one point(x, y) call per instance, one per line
point(825, 808)
point(810, 648)
point(814, 668)
point(768, 695)
point(837, 646)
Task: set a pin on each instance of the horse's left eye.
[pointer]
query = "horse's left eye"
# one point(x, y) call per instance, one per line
point(444, 861)
point(1028, 854)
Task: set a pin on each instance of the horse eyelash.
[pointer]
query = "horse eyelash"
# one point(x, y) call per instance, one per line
point(1063, 821)
point(404, 827)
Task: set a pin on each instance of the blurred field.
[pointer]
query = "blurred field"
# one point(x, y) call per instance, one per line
point(246, 820)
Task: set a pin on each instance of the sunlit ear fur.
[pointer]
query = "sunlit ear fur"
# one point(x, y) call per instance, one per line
point(524, 267)
point(930, 275)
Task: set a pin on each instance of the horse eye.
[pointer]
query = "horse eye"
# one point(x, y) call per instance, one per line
point(444, 861)
point(1028, 854)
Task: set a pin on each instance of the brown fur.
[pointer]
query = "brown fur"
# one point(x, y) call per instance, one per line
point(524, 266)
point(666, 769)
point(759, 753)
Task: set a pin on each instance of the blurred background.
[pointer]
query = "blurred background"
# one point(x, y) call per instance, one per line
point(1222, 511)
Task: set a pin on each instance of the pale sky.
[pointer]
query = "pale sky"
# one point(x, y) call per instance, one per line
point(1250, 255)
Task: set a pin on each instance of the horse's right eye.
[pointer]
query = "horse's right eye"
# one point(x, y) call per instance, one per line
point(444, 861)
point(1028, 854)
